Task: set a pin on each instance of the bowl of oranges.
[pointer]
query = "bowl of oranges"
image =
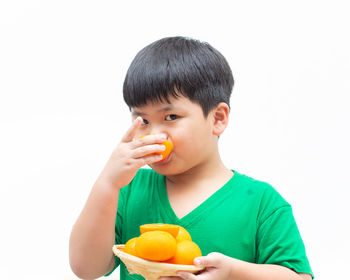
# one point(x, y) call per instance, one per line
point(160, 250)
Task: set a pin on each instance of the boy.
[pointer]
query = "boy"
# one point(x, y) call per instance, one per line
point(179, 89)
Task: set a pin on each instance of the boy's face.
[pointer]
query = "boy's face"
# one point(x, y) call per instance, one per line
point(184, 124)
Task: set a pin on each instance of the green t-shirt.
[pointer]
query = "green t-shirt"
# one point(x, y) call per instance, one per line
point(245, 219)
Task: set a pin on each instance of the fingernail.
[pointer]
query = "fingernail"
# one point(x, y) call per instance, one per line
point(197, 262)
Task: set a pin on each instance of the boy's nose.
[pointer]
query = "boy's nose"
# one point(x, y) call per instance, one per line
point(163, 134)
point(156, 131)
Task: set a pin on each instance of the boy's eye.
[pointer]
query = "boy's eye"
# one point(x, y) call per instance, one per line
point(144, 121)
point(171, 117)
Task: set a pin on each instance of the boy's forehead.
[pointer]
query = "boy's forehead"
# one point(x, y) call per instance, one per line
point(160, 106)
point(154, 107)
point(180, 103)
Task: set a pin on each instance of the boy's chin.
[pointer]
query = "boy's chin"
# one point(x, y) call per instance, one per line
point(164, 167)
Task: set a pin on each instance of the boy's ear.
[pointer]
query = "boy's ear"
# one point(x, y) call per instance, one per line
point(220, 116)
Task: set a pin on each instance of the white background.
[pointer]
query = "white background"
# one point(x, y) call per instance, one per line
point(62, 65)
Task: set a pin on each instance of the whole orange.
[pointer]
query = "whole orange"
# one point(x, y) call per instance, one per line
point(130, 246)
point(186, 252)
point(183, 235)
point(156, 246)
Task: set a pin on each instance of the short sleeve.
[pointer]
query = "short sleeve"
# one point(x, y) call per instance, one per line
point(279, 242)
point(118, 226)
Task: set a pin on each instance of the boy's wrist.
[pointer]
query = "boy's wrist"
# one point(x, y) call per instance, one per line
point(233, 265)
point(106, 181)
point(245, 270)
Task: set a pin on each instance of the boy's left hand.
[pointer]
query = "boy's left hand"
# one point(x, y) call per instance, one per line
point(217, 266)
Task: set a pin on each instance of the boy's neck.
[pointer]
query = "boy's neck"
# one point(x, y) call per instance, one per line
point(190, 189)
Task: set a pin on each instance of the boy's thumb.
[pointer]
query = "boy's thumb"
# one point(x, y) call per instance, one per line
point(210, 260)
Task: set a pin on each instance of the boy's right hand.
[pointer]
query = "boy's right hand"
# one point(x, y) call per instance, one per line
point(131, 154)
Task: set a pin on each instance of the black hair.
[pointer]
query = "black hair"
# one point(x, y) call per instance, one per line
point(178, 66)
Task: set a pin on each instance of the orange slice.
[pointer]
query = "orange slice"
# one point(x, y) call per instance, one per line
point(168, 148)
point(172, 229)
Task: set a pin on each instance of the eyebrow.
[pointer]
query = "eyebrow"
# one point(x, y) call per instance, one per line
point(164, 109)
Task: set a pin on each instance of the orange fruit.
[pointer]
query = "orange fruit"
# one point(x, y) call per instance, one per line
point(130, 246)
point(156, 245)
point(168, 148)
point(172, 229)
point(183, 235)
point(186, 252)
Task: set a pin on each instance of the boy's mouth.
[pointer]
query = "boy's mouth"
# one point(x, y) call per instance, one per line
point(163, 161)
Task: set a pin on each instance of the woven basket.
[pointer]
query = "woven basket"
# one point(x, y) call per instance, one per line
point(148, 269)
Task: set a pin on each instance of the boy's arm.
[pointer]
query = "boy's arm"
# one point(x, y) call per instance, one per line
point(219, 266)
point(93, 235)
